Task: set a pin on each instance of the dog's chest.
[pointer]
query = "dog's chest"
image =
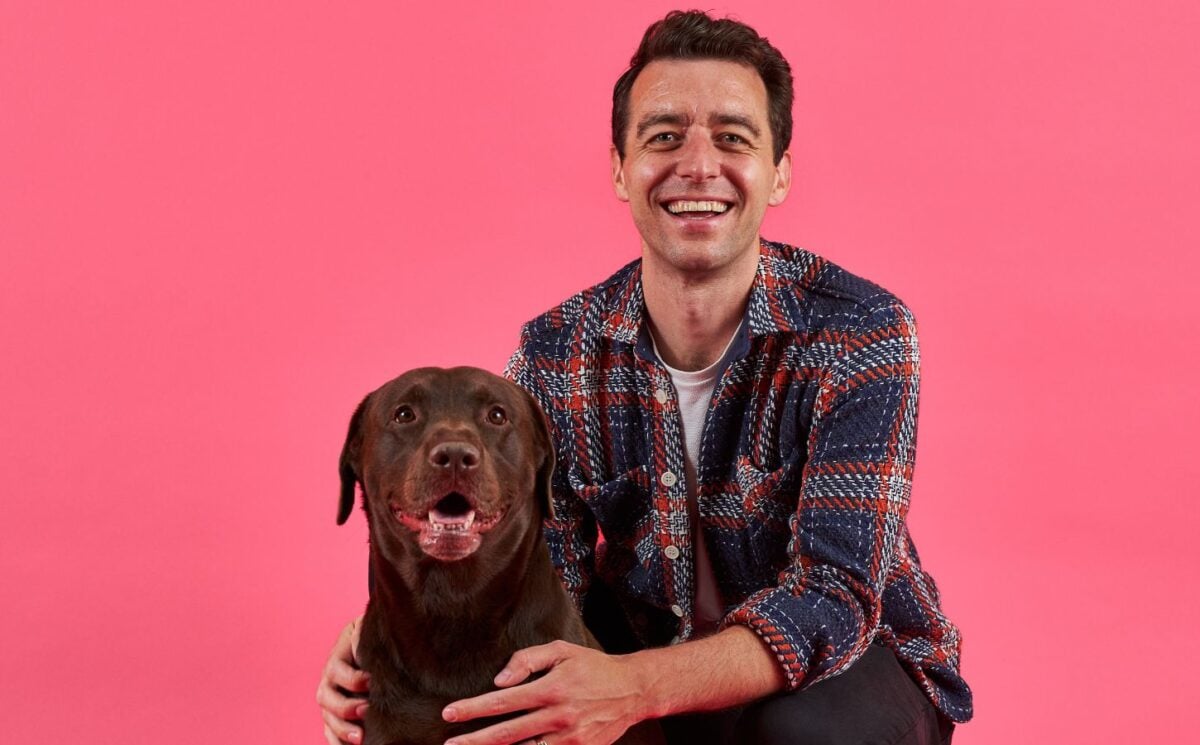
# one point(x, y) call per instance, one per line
point(415, 720)
point(406, 705)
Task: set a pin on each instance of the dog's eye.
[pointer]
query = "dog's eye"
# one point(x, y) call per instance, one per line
point(497, 415)
point(404, 414)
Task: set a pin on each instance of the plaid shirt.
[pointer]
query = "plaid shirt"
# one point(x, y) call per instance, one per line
point(804, 475)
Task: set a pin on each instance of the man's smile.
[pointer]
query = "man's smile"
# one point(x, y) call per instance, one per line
point(699, 208)
point(693, 213)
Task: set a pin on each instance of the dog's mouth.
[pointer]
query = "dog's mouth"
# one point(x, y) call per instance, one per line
point(452, 529)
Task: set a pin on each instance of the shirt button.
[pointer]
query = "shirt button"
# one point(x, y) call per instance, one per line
point(661, 396)
point(668, 479)
point(671, 552)
point(677, 610)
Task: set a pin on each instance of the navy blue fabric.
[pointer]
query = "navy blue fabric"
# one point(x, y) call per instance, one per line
point(804, 474)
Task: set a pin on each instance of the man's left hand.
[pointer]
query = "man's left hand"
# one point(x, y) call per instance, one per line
point(586, 696)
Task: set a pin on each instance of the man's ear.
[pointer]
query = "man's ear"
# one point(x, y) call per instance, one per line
point(618, 175)
point(349, 468)
point(783, 180)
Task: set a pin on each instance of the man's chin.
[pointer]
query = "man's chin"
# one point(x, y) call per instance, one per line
point(700, 255)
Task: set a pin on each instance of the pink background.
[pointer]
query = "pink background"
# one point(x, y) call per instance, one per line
point(223, 223)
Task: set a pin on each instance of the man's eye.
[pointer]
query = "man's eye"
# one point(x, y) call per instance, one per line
point(732, 139)
point(664, 137)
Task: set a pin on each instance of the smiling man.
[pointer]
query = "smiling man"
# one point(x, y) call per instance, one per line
point(734, 421)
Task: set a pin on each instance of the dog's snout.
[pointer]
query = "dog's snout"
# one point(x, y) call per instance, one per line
point(458, 456)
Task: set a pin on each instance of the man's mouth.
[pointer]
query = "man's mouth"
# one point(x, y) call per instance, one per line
point(696, 209)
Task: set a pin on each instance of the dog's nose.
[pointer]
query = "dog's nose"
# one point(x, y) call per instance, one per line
point(458, 456)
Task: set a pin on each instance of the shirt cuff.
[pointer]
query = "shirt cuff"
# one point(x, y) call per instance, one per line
point(811, 635)
point(764, 618)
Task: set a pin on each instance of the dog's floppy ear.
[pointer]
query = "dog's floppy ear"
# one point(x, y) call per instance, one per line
point(545, 473)
point(348, 467)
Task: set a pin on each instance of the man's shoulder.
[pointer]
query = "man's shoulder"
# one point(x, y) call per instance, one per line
point(588, 312)
point(812, 291)
point(822, 293)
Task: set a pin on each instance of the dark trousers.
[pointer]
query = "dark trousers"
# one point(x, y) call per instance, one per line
point(874, 702)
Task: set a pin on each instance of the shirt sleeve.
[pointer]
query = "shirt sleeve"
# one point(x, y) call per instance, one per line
point(854, 497)
point(571, 533)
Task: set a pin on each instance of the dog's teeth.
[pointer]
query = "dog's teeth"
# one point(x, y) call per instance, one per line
point(442, 523)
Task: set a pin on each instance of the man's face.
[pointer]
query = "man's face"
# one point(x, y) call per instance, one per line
point(698, 171)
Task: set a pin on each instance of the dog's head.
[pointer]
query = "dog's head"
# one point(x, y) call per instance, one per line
point(444, 457)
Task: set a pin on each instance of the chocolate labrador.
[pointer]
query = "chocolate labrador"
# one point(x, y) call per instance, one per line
point(455, 471)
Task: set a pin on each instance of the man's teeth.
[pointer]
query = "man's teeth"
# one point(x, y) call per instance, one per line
point(676, 207)
point(452, 526)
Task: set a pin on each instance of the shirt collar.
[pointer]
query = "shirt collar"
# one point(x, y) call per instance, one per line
point(774, 307)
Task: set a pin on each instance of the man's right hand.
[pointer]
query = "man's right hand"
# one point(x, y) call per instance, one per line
point(342, 675)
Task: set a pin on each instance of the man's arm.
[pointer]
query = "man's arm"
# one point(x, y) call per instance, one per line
point(571, 533)
point(849, 527)
point(592, 697)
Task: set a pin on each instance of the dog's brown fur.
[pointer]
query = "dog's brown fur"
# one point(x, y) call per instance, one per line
point(439, 624)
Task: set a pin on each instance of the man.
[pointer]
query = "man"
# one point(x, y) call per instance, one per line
point(735, 429)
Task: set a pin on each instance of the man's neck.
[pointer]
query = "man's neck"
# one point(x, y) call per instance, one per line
point(694, 316)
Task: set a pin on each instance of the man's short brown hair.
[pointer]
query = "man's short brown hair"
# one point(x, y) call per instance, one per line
point(693, 34)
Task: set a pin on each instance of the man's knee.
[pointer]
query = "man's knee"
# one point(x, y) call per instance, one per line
point(874, 702)
point(774, 723)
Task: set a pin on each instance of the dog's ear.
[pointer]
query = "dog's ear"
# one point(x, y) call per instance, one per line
point(348, 466)
point(545, 473)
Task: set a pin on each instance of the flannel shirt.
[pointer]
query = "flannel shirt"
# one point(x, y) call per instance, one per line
point(805, 468)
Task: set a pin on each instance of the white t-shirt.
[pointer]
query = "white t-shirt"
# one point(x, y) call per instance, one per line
point(695, 392)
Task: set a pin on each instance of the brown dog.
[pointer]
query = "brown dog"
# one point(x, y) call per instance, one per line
point(455, 471)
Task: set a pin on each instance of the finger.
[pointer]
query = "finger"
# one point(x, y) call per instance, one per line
point(334, 701)
point(355, 635)
point(340, 669)
point(495, 703)
point(529, 727)
point(530, 660)
point(338, 731)
point(339, 673)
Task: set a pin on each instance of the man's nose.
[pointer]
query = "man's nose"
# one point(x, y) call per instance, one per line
point(699, 159)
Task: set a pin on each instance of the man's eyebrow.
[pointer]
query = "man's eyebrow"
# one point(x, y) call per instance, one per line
point(737, 119)
point(653, 120)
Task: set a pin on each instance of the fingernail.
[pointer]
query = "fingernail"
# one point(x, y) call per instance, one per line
point(354, 736)
point(449, 714)
point(503, 677)
point(361, 711)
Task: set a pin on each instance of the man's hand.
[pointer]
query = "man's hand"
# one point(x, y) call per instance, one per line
point(586, 697)
point(341, 672)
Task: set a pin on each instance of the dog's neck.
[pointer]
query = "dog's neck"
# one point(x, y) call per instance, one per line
point(463, 610)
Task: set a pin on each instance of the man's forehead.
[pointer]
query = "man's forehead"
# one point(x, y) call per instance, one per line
point(698, 89)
